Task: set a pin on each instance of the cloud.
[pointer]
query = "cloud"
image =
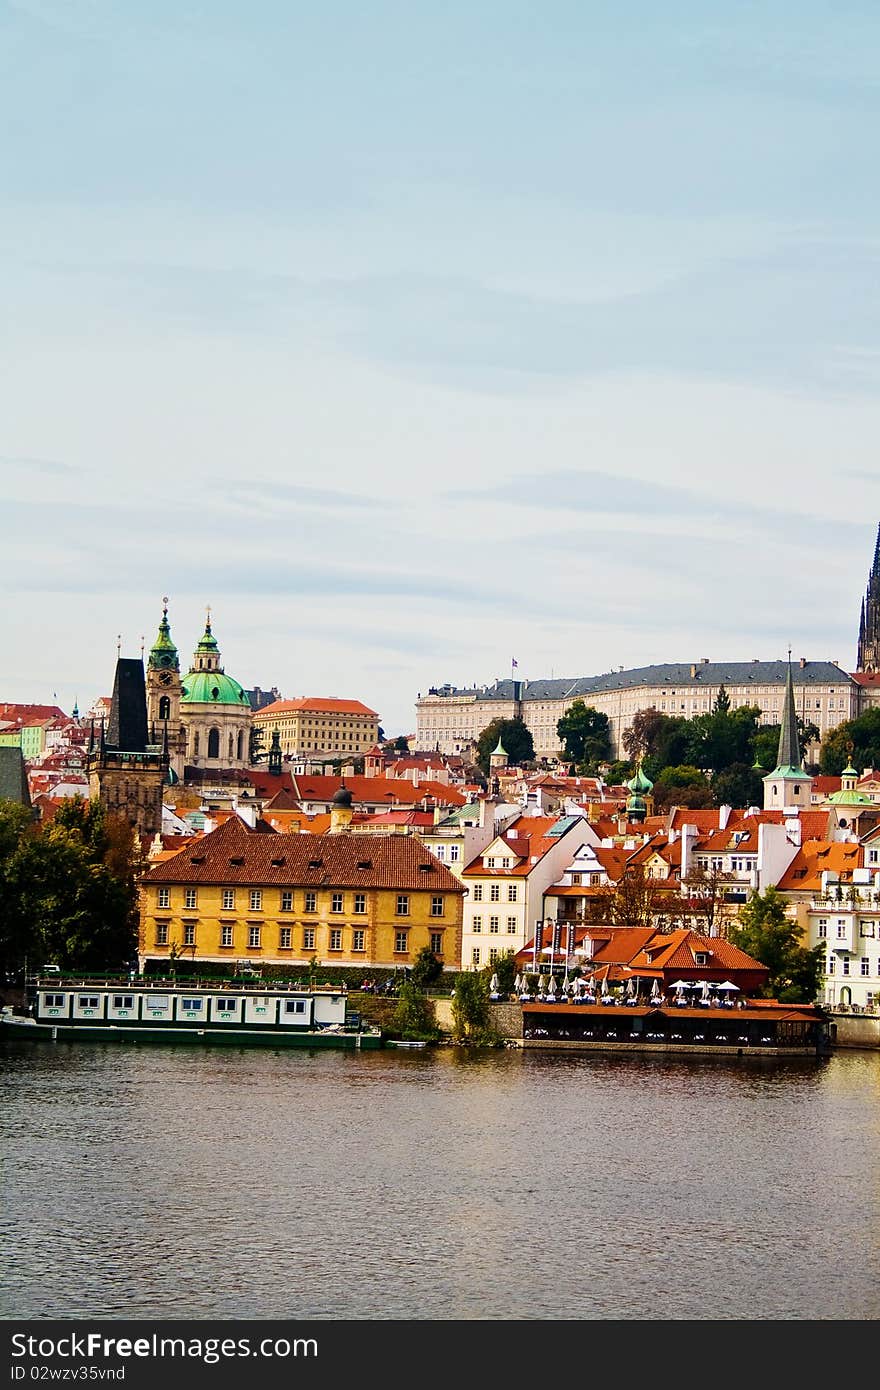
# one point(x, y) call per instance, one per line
point(23, 463)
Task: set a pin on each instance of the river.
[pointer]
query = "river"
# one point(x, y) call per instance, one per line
point(161, 1182)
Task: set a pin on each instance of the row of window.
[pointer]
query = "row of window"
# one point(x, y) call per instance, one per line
point(494, 955)
point(336, 940)
point(495, 889)
point(494, 925)
point(440, 852)
point(866, 928)
point(864, 966)
point(286, 901)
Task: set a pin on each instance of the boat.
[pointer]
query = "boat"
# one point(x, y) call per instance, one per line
point(753, 1028)
point(221, 1012)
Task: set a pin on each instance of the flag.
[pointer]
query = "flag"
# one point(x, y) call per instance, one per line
point(513, 661)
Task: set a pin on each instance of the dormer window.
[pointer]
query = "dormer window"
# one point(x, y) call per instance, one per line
point(701, 958)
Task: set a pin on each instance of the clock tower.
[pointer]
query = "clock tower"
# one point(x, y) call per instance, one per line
point(163, 695)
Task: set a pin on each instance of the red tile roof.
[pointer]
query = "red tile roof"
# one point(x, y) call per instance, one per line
point(317, 704)
point(804, 873)
point(233, 854)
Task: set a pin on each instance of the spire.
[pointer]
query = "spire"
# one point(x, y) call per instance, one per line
point(869, 626)
point(163, 653)
point(789, 754)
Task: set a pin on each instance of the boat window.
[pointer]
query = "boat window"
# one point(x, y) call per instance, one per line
point(123, 1001)
point(294, 1006)
point(226, 1006)
point(157, 1001)
point(191, 1005)
point(54, 1001)
point(88, 1001)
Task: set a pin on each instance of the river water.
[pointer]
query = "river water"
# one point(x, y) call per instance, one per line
point(160, 1182)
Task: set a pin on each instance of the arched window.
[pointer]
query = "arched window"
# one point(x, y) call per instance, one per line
point(213, 743)
point(230, 747)
point(164, 707)
point(239, 747)
point(196, 744)
point(846, 995)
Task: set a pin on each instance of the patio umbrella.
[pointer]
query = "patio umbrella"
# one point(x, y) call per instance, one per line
point(605, 990)
point(493, 984)
point(517, 984)
point(728, 985)
point(655, 991)
point(630, 989)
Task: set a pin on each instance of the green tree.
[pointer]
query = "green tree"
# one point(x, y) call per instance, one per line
point(414, 1014)
point(505, 968)
point(764, 931)
point(516, 740)
point(19, 939)
point(426, 968)
point(856, 741)
point(740, 785)
point(585, 734)
point(724, 737)
point(471, 1011)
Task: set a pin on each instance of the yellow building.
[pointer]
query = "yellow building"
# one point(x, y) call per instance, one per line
point(319, 728)
point(240, 895)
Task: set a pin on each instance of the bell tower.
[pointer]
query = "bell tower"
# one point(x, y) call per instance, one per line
point(163, 694)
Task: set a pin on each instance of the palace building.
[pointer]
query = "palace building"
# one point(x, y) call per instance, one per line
point(252, 896)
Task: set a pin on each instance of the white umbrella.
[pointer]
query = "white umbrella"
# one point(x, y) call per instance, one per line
point(655, 991)
point(605, 990)
point(493, 984)
point(551, 991)
point(630, 989)
point(728, 985)
point(517, 984)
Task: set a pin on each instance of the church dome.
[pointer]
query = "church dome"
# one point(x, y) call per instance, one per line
point(212, 688)
point(639, 785)
point(343, 797)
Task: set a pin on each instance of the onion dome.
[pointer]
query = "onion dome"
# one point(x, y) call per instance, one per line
point(343, 797)
point(639, 785)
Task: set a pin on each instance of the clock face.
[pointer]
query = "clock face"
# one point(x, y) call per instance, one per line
point(165, 678)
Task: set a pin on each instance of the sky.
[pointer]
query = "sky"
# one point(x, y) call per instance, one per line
point(419, 338)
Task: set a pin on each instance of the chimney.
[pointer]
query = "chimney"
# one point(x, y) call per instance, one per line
point(693, 670)
point(688, 835)
point(723, 816)
point(803, 662)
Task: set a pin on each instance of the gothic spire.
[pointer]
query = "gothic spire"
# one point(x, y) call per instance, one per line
point(789, 754)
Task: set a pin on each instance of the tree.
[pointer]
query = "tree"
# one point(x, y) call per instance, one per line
point(681, 786)
point(505, 968)
point(256, 750)
point(516, 740)
point(401, 744)
point(414, 1015)
point(636, 900)
point(705, 906)
point(739, 785)
point(764, 931)
point(69, 891)
point(855, 741)
point(723, 737)
point(471, 1015)
point(426, 968)
point(643, 734)
point(585, 734)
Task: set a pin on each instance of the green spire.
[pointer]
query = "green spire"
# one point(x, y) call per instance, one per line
point(163, 653)
point(789, 754)
point(499, 749)
point(207, 642)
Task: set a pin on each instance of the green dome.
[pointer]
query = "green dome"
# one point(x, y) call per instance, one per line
point(212, 688)
point(640, 784)
point(163, 653)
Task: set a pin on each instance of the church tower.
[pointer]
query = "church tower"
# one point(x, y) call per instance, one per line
point(788, 786)
point(869, 627)
point(164, 689)
point(126, 772)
